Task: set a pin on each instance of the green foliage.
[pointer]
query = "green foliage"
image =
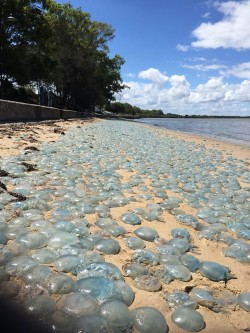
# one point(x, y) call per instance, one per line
point(44, 42)
point(128, 109)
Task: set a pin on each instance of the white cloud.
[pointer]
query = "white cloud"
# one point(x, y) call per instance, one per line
point(183, 48)
point(154, 75)
point(132, 75)
point(239, 92)
point(206, 15)
point(231, 32)
point(204, 68)
point(213, 90)
point(215, 97)
point(241, 71)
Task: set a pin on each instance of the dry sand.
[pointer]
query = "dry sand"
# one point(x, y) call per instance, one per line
point(14, 138)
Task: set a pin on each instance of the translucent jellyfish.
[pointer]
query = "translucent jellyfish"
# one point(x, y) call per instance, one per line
point(105, 223)
point(190, 262)
point(18, 265)
point(90, 257)
point(108, 246)
point(44, 256)
point(100, 269)
point(131, 218)
point(170, 204)
point(178, 298)
point(64, 225)
point(208, 233)
point(188, 319)
point(203, 297)
point(244, 233)
point(117, 230)
point(134, 243)
point(187, 219)
point(244, 301)
point(215, 272)
point(180, 233)
point(167, 249)
point(134, 269)
point(36, 275)
point(153, 215)
point(169, 259)
point(62, 238)
point(78, 304)
point(168, 273)
point(148, 320)
point(225, 238)
point(59, 283)
point(127, 292)
point(101, 288)
point(33, 240)
point(145, 256)
point(181, 244)
point(67, 263)
point(225, 299)
point(90, 324)
point(147, 282)
point(240, 250)
point(86, 244)
point(39, 305)
point(39, 224)
point(146, 233)
point(117, 315)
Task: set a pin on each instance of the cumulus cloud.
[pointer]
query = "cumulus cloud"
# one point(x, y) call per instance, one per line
point(239, 92)
point(231, 32)
point(241, 71)
point(154, 75)
point(176, 95)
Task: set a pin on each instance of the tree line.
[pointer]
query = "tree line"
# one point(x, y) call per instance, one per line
point(44, 43)
point(128, 109)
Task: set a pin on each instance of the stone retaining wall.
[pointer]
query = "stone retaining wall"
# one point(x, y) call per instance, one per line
point(17, 112)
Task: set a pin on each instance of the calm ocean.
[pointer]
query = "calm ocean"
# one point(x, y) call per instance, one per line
point(236, 130)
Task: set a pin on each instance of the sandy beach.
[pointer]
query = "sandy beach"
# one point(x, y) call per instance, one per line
point(17, 138)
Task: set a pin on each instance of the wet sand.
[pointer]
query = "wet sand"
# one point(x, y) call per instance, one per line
point(15, 138)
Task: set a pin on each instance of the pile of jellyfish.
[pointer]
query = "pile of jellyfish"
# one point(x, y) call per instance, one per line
point(56, 263)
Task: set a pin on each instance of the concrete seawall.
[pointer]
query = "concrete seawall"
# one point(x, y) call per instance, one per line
point(17, 112)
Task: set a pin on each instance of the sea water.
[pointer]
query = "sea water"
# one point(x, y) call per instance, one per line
point(235, 130)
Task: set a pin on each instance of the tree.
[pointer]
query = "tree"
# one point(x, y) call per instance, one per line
point(44, 42)
point(23, 31)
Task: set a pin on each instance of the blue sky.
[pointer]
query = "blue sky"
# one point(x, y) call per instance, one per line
point(182, 56)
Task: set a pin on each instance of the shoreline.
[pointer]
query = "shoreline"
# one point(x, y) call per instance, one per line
point(26, 136)
point(53, 130)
